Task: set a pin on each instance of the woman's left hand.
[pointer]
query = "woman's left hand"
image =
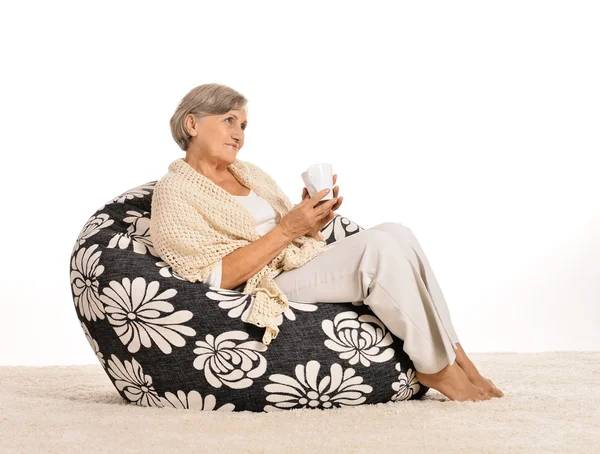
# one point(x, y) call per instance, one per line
point(336, 191)
point(316, 233)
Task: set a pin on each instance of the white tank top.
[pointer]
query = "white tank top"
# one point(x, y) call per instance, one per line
point(266, 220)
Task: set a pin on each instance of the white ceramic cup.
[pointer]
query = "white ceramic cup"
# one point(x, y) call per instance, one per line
point(317, 177)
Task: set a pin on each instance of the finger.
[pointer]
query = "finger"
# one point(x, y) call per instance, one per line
point(334, 177)
point(338, 204)
point(326, 219)
point(320, 216)
point(324, 208)
point(318, 196)
point(336, 191)
point(304, 193)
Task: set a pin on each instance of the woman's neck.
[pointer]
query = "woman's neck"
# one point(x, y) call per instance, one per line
point(216, 173)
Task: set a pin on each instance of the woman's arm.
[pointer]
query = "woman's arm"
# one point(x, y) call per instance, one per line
point(243, 263)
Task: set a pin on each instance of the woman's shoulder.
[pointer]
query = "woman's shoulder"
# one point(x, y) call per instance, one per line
point(174, 178)
point(166, 182)
point(170, 190)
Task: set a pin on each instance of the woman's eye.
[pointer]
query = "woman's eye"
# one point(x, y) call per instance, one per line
point(231, 118)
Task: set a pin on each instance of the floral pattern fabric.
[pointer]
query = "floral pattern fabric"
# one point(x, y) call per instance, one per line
point(164, 341)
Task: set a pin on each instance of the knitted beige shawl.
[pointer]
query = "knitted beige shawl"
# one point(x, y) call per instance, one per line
point(195, 223)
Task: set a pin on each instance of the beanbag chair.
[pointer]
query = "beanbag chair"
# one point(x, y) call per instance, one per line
point(167, 342)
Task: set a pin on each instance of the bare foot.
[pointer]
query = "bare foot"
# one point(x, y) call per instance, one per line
point(453, 383)
point(485, 383)
point(473, 374)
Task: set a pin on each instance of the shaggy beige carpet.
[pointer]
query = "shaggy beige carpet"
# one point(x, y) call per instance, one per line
point(551, 404)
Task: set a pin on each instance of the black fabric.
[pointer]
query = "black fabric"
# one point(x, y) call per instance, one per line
point(165, 341)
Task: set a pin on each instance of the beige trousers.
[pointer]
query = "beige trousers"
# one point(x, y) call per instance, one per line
point(385, 267)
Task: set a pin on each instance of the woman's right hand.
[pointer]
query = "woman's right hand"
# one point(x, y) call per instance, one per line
point(306, 215)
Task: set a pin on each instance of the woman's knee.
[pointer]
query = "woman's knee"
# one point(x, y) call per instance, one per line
point(400, 232)
point(383, 241)
point(400, 235)
point(377, 238)
point(393, 227)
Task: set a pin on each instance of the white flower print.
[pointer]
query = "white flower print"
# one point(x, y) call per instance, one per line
point(93, 344)
point(85, 270)
point(136, 193)
point(239, 304)
point(137, 233)
point(225, 363)
point(193, 401)
point(357, 338)
point(407, 384)
point(167, 271)
point(130, 378)
point(91, 227)
point(136, 313)
point(337, 389)
point(304, 306)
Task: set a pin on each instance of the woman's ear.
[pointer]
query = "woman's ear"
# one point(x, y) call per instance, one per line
point(190, 125)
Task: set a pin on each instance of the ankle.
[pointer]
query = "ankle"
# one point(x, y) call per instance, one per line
point(461, 357)
point(443, 374)
point(470, 370)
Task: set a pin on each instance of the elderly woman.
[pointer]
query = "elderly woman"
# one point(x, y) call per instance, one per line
point(223, 220)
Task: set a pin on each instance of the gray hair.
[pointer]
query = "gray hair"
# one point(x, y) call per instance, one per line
point(201, 101)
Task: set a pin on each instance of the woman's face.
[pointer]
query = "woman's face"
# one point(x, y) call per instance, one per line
point(212, 135)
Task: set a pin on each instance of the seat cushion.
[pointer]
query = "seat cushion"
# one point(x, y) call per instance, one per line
point(165, 341)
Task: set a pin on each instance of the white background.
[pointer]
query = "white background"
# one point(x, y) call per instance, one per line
point(475, 123)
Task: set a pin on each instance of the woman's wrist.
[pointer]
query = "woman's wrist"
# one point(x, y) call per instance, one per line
point(283, 232)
